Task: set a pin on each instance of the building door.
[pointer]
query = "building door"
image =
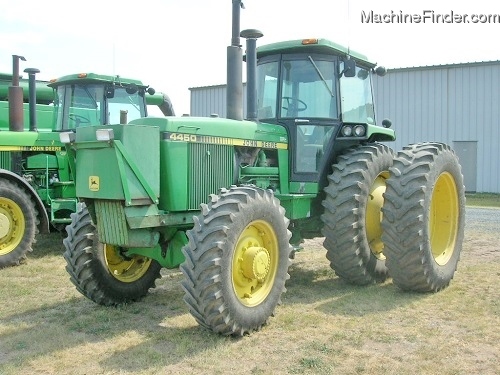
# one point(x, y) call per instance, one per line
point(467, 154)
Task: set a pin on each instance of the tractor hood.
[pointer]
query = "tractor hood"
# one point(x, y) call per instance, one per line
point(218, 127)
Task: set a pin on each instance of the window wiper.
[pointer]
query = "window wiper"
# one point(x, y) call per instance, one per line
point(130, 98)
point(320, 75)
point(85, 88)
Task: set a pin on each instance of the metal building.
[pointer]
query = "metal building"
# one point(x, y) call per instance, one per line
point(211, 100)
point(457, 104)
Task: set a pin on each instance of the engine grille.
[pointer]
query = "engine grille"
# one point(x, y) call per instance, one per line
point(112, 225)
point(5, 161)
point(212, 167)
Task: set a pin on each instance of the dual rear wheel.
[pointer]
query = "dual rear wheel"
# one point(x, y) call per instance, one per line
point(400, 214)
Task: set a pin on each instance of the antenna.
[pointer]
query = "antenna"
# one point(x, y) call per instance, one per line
point(114, 58)
point(348, 28)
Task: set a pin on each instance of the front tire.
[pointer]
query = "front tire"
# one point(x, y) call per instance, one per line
point(352, 215)
point(424, 217)
point(237, 261)
point(18, 224)
point(101, 272)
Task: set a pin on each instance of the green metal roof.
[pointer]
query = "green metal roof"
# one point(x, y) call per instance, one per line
point(44, 94)
point(6, 76)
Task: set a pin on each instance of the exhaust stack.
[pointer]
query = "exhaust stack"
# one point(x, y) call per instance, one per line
point(234, 93)
point(16, 115)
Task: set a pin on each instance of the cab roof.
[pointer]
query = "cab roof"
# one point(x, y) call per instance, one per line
point(94, 78)
point(324, 46)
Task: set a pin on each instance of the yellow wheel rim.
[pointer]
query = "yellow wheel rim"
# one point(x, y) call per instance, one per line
point(373, 218)
point(255, 263)
point(443, 221)
point(12, 225)
point(125, 269)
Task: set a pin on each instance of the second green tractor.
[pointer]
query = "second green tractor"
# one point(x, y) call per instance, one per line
point(37, 191)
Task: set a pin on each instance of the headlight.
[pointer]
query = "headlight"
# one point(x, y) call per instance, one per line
point(359, 130)
point(104, 134)
point(347, 131)
point(67, 137)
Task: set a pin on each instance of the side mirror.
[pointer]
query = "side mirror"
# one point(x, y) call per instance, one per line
point(349, 68)
point(110, 92)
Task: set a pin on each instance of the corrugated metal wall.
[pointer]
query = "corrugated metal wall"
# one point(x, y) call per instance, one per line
point(457, 104)
point(210, 100)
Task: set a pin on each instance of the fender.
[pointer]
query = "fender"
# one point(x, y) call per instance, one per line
point(44, 218)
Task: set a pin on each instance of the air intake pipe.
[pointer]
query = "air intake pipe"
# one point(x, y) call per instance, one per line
point(32, 96)
point(251, 35)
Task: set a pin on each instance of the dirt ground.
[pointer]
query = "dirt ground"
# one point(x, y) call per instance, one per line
point(482, 228)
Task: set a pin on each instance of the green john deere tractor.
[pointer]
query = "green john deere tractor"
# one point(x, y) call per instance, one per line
point(37, 191)
point(228, 200)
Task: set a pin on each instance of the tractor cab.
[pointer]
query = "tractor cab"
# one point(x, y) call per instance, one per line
point(90, 99)
point(320, 92)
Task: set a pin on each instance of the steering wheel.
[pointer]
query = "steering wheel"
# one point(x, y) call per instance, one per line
point(78, 119)
point(294, 104)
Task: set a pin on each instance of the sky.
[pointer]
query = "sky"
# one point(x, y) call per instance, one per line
point(173, 45)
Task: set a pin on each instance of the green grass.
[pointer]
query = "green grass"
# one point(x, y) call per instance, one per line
point(324, 325)
point(483, 199)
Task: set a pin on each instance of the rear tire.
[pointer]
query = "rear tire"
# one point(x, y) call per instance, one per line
point(352, 215)
point(100, 271)
point(18, 224)
point(236, 261)
point(424, 217)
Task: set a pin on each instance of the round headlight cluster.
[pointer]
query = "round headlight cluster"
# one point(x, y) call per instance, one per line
point(353, 131)
point(359, 131)
point(347, 131)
